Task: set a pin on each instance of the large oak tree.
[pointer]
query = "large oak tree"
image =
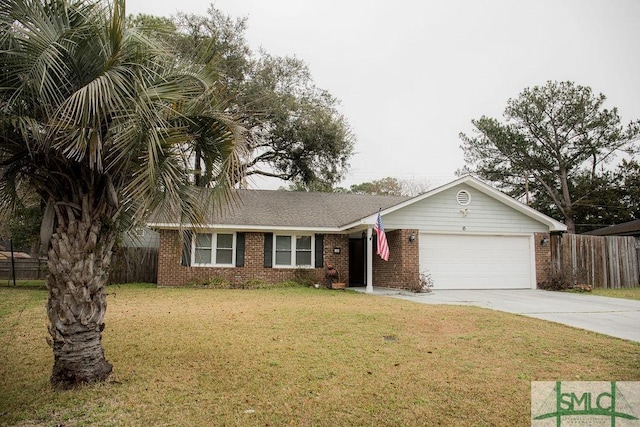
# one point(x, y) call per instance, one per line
point(295, 130)
point(101, 122)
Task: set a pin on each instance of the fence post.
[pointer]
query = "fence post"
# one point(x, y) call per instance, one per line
point(13, 264)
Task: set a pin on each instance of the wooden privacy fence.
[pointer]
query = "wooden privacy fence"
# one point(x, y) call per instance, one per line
point(599, 261)
point(127, 265)
point(130, 265)
point(25, 269)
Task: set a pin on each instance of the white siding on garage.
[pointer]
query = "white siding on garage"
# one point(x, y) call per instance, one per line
point(442, 213)
point(462, 261)
point(485, 244)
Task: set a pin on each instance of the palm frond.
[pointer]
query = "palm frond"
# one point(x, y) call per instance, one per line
point(87, 102)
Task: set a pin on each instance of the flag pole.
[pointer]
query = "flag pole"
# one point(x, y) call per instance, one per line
point(369, 287)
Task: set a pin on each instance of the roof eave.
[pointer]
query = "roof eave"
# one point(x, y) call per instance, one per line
point(256, 228)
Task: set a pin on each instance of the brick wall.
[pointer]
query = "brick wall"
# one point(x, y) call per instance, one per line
point(401, 271)
point(543, 257)
point(403, 268)
point(339, 261)
point(172, 273)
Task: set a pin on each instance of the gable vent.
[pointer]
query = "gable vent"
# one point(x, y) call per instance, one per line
point(463, 197)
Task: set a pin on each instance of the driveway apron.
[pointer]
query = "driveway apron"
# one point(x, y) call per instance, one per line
point(616, 317)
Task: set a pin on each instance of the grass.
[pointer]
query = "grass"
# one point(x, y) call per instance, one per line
point(299, 356)
point(627, 293)
point(31, 284)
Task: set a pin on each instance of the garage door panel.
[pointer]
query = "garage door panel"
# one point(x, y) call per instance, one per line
point(476, 262)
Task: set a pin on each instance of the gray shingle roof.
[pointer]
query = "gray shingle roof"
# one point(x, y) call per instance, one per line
point(631, 228)
point(269, 208)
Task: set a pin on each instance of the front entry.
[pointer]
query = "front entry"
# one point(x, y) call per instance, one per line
point(357, 262)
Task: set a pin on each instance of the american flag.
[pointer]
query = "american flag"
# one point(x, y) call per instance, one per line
point(383, 246)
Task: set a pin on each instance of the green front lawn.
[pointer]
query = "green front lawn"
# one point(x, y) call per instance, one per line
point(301, 356)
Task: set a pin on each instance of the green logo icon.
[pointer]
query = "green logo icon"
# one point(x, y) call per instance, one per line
point(575, 403)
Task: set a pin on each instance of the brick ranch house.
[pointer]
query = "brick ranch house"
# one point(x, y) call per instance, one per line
point(465, 234)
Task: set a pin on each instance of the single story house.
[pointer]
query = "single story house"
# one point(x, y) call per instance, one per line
point(465, 234)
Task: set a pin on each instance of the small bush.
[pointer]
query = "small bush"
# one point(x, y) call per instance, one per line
point(196, 283)
point(221, 283)
point(304, 277)
point(252, 284)
point(210, 282)
point(565, 280)
point(289, 284)
point(424, 284)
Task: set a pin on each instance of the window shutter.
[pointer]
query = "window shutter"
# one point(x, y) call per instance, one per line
point(319, 251)
point(268, 250)
point(239, 249)
point(187, 237)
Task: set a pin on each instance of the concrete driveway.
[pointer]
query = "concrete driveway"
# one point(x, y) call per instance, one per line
point(616, 317)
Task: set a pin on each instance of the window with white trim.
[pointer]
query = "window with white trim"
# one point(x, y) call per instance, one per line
point(214, 249)
point(293, 250)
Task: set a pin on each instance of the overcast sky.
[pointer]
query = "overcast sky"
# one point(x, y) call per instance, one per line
point(412, 74)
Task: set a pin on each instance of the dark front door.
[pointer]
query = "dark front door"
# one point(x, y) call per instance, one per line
point(357, 261)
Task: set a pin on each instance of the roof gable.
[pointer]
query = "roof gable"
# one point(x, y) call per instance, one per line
point(444, 212)
point(489, 191)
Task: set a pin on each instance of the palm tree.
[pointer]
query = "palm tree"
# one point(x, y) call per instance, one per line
point(102, 123)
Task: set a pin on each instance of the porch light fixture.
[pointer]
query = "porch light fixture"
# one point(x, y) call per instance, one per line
point(336, 250)
point(412, 237)
point(544, 241)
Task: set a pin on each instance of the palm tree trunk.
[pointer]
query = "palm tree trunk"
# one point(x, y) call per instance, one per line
point(79, 258)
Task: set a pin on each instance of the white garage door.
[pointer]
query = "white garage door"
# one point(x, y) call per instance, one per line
point(477, 262)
